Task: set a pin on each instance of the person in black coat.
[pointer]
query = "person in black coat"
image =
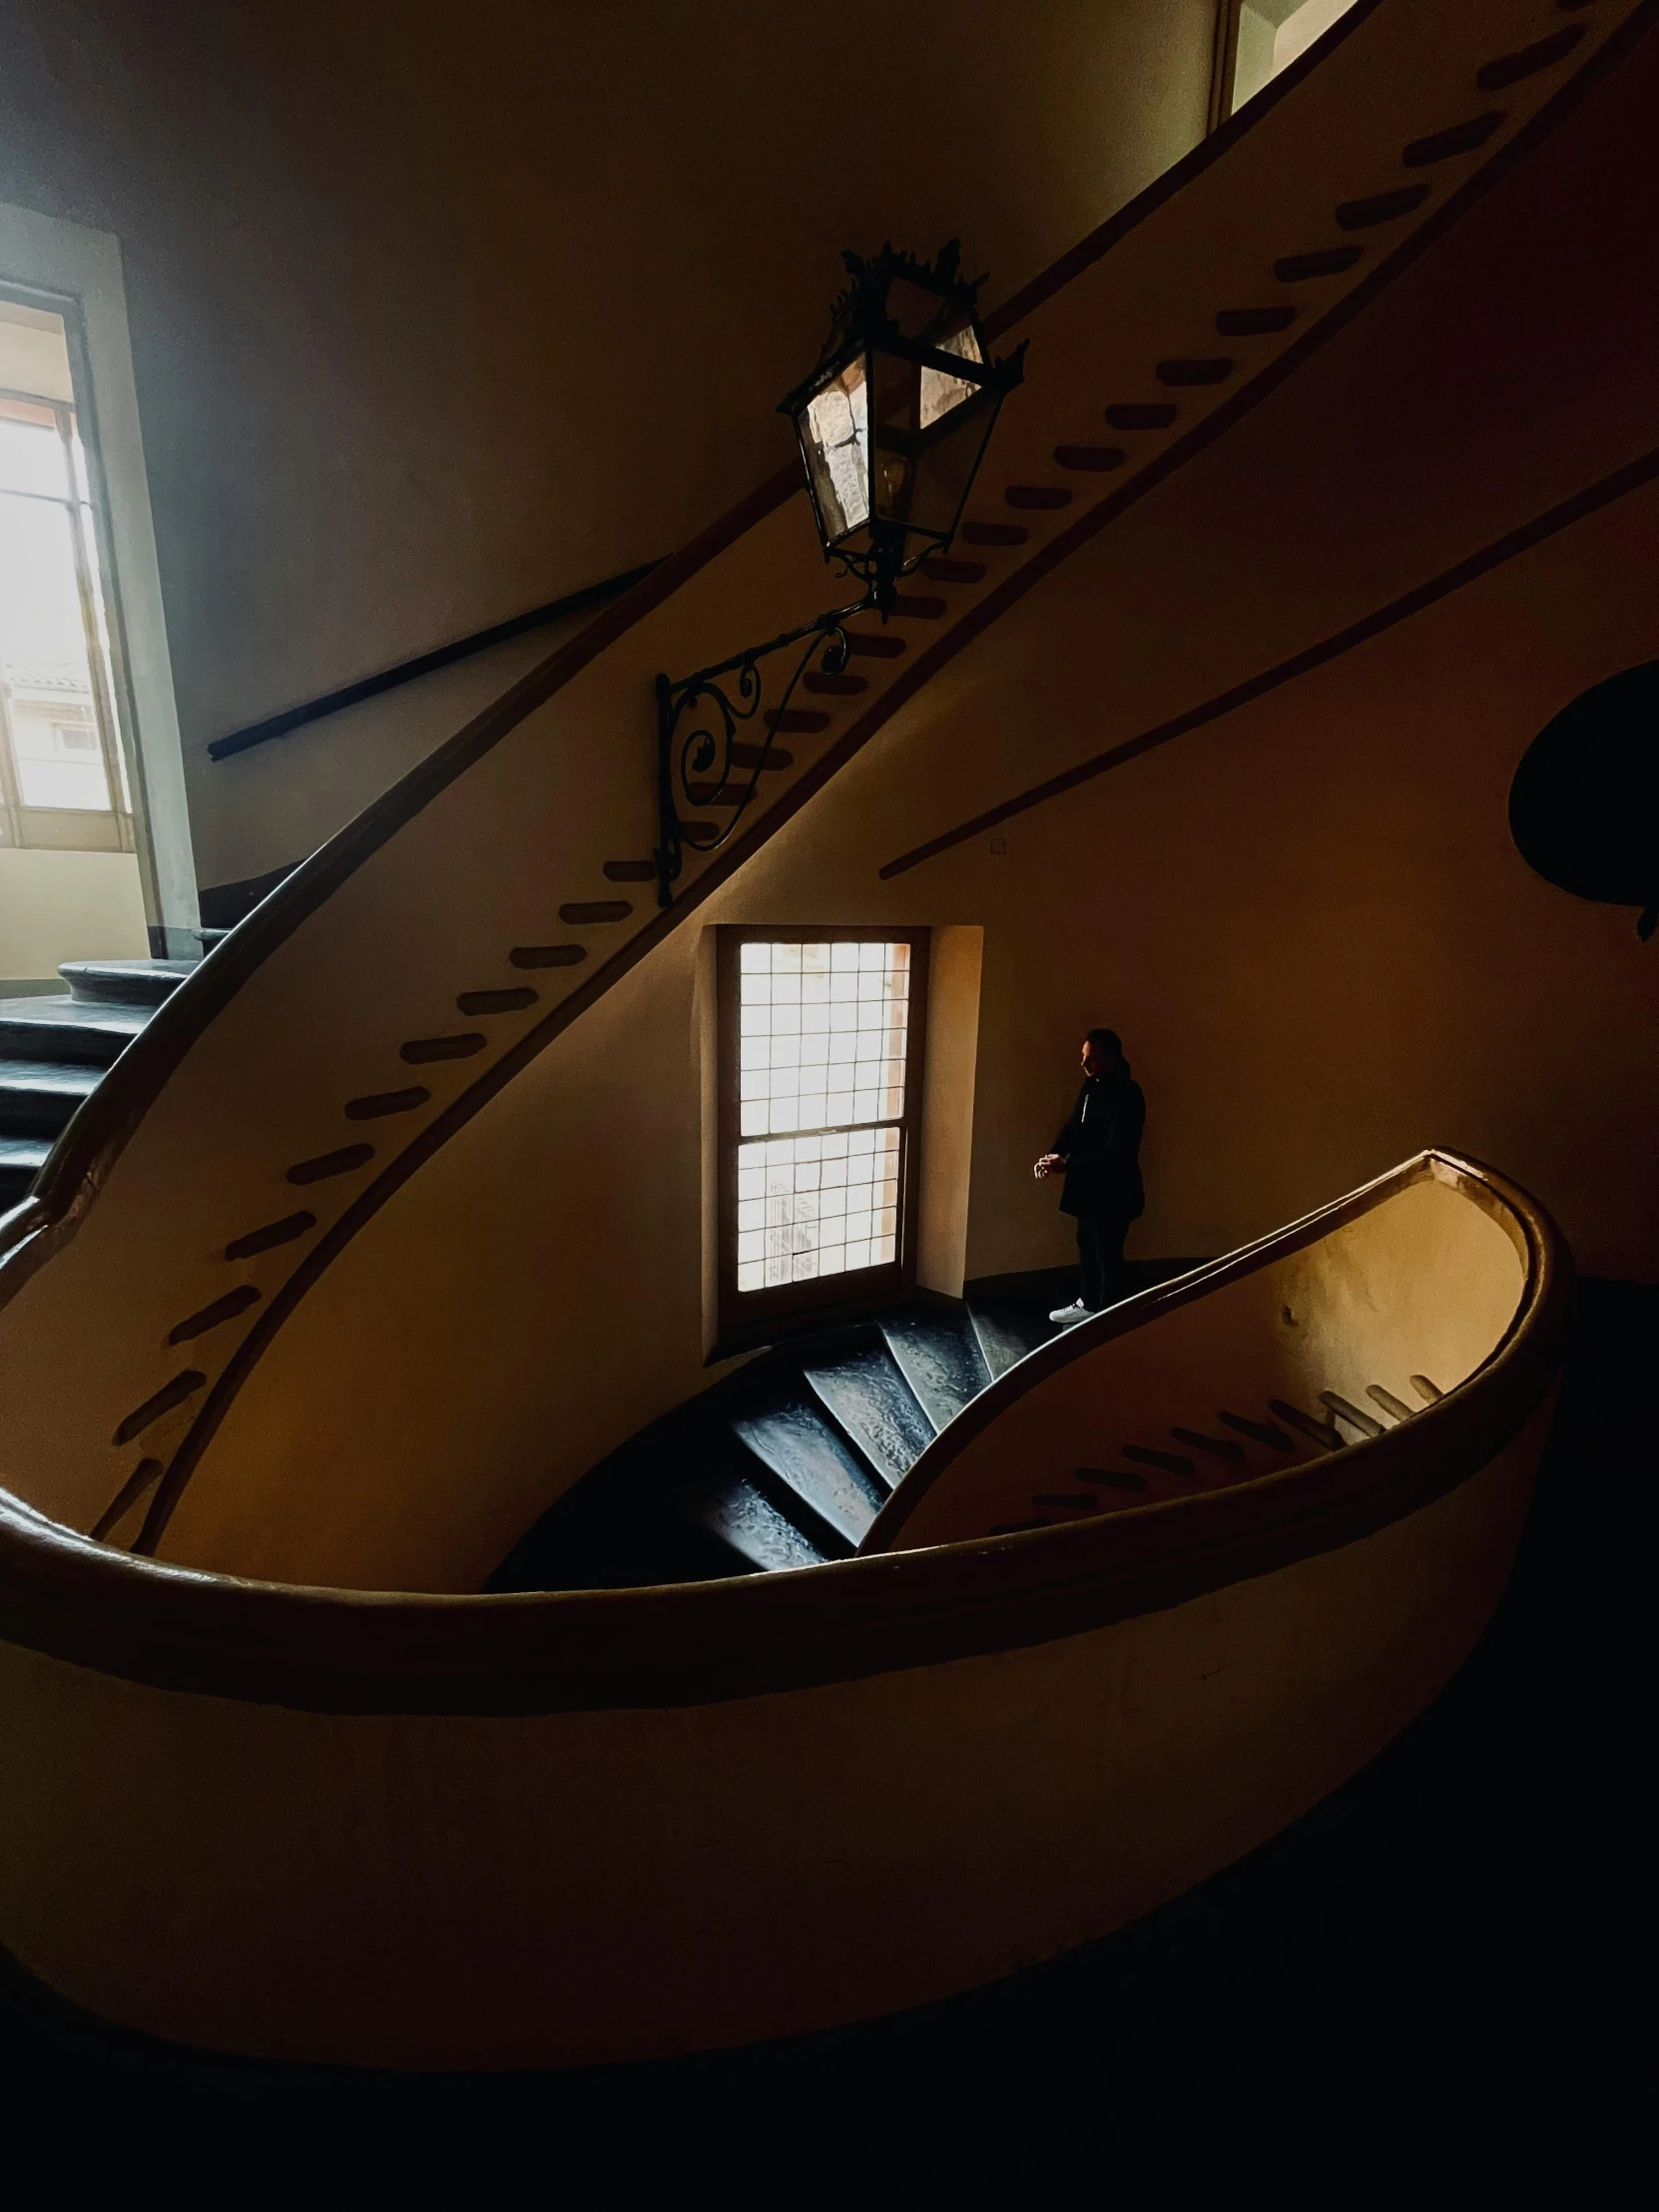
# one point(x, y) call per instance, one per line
point(1099, 1152)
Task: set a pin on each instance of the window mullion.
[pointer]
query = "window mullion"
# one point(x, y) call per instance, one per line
point(103, 705)
point(11, 792)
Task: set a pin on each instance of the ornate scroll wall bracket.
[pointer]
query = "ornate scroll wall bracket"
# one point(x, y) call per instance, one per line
point(717, 737)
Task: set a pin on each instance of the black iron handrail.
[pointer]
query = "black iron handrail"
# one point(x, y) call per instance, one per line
point(425, 663)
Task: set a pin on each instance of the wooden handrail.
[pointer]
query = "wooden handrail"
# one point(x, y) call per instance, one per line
point(1481, 1186)
point(325, 1650)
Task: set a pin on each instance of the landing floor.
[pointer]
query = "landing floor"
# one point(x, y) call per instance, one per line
point(1435, 1975)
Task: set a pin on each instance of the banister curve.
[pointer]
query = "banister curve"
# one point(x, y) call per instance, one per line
point(337, 1651)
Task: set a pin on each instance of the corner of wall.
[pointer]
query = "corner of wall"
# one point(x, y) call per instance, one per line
point(952, 1053)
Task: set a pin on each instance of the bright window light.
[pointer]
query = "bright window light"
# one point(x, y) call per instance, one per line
point(1272, 32)
point(823, 1045)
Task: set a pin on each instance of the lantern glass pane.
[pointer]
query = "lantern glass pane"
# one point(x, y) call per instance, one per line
point(896, 383)
point(940, 392)
point(834, 428)
point(942, 459)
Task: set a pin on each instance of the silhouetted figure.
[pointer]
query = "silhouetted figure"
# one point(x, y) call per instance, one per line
point(1099, 1149)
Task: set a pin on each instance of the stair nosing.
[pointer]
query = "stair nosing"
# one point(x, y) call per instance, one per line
point(834, 1542)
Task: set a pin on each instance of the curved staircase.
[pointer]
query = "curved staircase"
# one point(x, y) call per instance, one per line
point(786, 1464)
point(350, 1031)
point(56, 1049)
point(783, 1464)
point(326, 1252)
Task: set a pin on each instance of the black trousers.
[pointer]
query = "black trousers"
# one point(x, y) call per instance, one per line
point(1100, 1253)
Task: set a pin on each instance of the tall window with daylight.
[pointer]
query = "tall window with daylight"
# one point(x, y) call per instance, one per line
point(1259, 38)
point(820, 1042)
point(63, 781)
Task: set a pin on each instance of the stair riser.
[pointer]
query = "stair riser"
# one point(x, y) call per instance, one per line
point(119, 994)
point(14, 1184)
point(799, 1511)
point(35, 1113)
point(81, 1048)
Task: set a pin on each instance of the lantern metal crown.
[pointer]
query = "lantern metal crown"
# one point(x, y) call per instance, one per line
point(892, 423)
point(896, 418)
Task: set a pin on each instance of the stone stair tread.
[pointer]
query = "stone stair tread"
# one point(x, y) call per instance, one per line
point(868, 1395)
point(124, 982)
point(744, 1518)
point(37, 1097)
point(50, 1075)
point(785, 1430)
point(1007, 1332)
point(67, 1011)
point(938, 1355)
point(67, 1029)
point(21, 1160)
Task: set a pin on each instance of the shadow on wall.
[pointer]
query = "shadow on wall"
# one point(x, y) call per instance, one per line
point(1584, 806)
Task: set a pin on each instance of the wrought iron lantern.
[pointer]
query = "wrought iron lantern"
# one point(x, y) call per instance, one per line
point(894, 419)
point(892, 426)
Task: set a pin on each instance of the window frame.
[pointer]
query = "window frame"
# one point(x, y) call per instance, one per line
point(747, 1319)
point(74, 272)
point(28, 825)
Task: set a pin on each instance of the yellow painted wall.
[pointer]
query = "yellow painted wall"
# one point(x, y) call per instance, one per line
point(567, 1888)
point(68, 906)
point(440, 312)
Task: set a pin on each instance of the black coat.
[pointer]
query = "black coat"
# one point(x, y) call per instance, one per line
point(1101, 1145)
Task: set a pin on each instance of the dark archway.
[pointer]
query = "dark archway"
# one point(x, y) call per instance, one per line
point(1584, 805)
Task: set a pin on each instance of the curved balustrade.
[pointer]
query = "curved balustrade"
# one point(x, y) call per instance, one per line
point(565, 1829)
point(1327, 1336)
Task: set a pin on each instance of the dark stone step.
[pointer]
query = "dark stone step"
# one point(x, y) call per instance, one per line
point(1006, 1332)
point(38, 1097)
point(938, 1355)
point(67, 1029)
point(124, 982)
point(813, 1469)
point(868, 1396)
point(624, 1525)
point(21, 1158)
point(737, 1513)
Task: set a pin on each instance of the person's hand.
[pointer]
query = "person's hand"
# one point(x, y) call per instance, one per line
point(1046, 1166)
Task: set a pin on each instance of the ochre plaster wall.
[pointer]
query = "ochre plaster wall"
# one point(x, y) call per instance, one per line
point(440, 312)
point(67, 906)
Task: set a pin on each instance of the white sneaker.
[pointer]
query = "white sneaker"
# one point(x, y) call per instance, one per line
point(1067, 1316)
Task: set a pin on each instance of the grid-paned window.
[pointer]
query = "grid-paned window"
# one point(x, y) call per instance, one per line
point(821, 1034)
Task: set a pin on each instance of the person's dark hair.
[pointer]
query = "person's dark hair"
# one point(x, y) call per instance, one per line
point(1107, 1039)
